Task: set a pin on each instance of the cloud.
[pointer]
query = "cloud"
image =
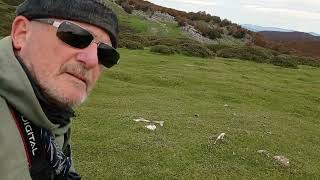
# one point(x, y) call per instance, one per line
point(197, 2)
point(307, 15)
point(283, 2)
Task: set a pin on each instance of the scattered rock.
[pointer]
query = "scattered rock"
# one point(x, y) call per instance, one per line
point(219, 138)
point(191, 31)
point(158, 16)
point(282, 160)
point(141, 120)
point(265, 152)
point(262, 151)
point(226, 105)
point(151, 127)
point(151, 124)
point(159, 122)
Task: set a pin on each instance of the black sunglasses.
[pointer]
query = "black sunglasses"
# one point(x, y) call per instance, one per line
point(78, 37)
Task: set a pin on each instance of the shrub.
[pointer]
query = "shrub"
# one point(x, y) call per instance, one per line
point(126, 29)
point(134, 37)
point(225, 22)
point(239, 33)
point(184, 46)
point(162, 49)
point(126, 7)
point(196, 50)
point(171, 41)
point(130, 44)
point(182, 21)
point(306, 61)
point(216, 19)
point(213, 34)
point(245, 53)
point(284, 61)
point(217, 47)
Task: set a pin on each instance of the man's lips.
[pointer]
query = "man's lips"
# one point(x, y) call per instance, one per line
point(84, 80)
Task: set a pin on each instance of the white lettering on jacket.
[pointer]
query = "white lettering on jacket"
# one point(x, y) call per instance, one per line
point(31, 137)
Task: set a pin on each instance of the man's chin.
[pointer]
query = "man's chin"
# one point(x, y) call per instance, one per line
point(73, 100)
point(65, 93)
point(67, 98)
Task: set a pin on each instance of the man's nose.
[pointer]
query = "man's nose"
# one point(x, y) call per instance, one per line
point(89, 56)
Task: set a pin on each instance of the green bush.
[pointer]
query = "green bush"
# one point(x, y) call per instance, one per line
point(134, 37)
point(184, 46)
point(307, 61)
point(246, 53)
point(213, 34)
point(162, 49)
point(130, 44)
point(284, 61)
point(217, 47)
point(171, 41)
point(196, 50)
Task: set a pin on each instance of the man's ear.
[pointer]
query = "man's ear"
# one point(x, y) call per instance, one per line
point(19, 32)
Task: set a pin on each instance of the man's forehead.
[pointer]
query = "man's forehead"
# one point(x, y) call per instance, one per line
point(94, 12)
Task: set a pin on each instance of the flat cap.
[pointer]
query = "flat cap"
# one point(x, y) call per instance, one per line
point(94, 12)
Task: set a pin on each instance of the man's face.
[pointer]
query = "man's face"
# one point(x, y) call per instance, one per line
point(65, 74)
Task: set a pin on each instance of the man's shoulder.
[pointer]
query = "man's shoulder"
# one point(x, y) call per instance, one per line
point(13, 160)
point(4, 109)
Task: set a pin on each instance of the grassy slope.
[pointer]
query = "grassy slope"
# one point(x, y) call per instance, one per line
point(7, 14)
point(269, 108)
point(145, 27)
point(139, 24)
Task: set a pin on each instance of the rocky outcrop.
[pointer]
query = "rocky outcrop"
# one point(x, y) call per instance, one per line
point(191, 31)
point(155, 16)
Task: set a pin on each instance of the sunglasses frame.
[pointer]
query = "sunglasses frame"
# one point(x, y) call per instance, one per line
point(108, 64)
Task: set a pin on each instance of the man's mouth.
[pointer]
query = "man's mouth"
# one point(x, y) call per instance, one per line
point(81, 78)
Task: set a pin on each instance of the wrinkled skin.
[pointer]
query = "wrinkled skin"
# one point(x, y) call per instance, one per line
point(65, 74)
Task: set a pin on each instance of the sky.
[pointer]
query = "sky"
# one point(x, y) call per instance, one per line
point(299, 15)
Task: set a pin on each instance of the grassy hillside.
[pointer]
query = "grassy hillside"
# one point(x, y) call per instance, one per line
point(138, 31)
point(138, 24)
point(258, 106)
point(7, 14)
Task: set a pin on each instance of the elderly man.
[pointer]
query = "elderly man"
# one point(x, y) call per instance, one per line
point(55, 54)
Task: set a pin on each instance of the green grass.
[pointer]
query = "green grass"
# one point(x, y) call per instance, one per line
point(7, 14)
point(149, 28)
point(146, 27)
point(269, 107)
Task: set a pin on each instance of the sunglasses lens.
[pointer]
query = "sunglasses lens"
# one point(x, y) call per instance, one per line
point(74, 35)
point(108, 56)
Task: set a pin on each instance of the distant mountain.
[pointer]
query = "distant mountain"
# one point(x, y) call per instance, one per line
point(314, 34)
point(305, 43)
point(256, 28)
point(289, 36)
